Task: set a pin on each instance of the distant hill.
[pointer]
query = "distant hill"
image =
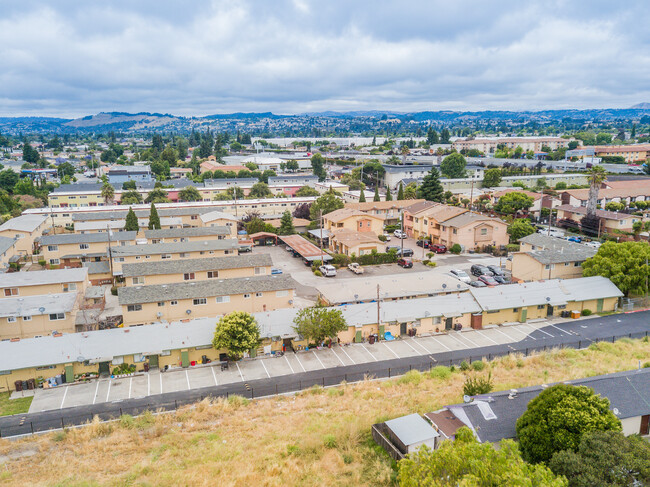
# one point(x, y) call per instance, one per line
point(641, 106)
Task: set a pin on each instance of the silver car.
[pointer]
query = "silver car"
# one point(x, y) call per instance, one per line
point(461, 275)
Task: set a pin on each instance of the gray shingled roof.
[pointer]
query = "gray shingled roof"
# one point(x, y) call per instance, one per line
point(101, 267)
point(178, 266)
point(187, 232)
point(24, 223)
point(467, 218)
point(494, 416)
point(74, 238)
point(6, 243)
point(121, 214)
point(548, 256)
point(203, 289)
point(175, 247)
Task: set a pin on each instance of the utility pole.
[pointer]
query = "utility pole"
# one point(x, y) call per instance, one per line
point(110, 252)
point(402, 239)
point(471, 197)
point(378, 310)
point(320, 218)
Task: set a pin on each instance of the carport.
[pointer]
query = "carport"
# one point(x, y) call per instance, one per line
point(303, 247)
point(264, 238)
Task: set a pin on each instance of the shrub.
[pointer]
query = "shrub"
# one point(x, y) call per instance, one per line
point(114, 290)
point(478, 365)
point(646, 365)
point(431, 264)
point(464, 366)
point(512, 247)
point(127, 421)
point(440, 372)
point(329, 441)
point(586, 312)
point(381, 237)
point(477, 385)
point(318, 273)
point(426, 261)
point(41, 262)
point(377, 258)
point(430, 255)
point(455, 249)
point(411, 377)
point(340, 260)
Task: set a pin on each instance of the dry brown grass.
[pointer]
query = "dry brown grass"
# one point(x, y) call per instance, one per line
point(319, 437)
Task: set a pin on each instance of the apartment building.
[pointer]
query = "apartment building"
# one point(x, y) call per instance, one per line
point(390, 211)
point(489, 145)
point(8, 252)
point(202, 269)
point(209, 298)
point(193, 234)
point(612, 191)
point(610, 221)
point(132, 254)
point(71, 249)
point(545, 257)
point(353, 220)
point(100, 226)
point(631, 153)
point(25, 229)
point(350, 242)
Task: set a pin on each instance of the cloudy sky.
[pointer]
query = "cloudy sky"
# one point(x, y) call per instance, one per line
point(73, 58)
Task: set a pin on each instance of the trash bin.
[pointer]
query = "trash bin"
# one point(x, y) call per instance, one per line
point(18, 385)
point(146, 366)
point(371, 339)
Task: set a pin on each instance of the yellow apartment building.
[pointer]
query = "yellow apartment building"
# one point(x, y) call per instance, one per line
point(71, 249)
point(8, 252)
point(25, 229)
point(349, 242)
point(191, 234)
point(210, 298)
point(610, 221)
point(203, 269)
point(39, 315)
point(353, 220)
point(36, 283)
point(390, 211)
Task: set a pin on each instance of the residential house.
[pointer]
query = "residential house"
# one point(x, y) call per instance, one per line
point(71, 249)
point(609, 221)
point(472, 231)
point(350, 242)
point(353, 220)
point(180, 172)
point(390, 211)
point(24, 229)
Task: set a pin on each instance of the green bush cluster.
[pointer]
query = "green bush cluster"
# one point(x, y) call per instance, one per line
point(124, 368)
point(586, 312)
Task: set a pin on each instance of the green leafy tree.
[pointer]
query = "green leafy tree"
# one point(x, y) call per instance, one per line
point(131, 224)
point(466, 462)
point(286, 224)
point(453, 166)
point(389, 197)
point(256, 224)
point(603, 138)
point(131, 198)
point(108, 193)
point(411, 191)
point(376, 197)
point(30, 154)
point(326, 203)
point(400, 192)
point(558, 417)
point(362, 196)
point(260, 190)
point(511, 203)
point(25, 186)
point(445, 136)
point(65, 169)
point(128, 185)
point(8, 179)
point(157, 195)
point(237, 333)
point(431, 188)
point(519, 229)
point(292, 166)
point(317, 324)
point(605, 458)
point(306, 191)
point(318, 166)
point(625, 264)
point(160, 169)
point(492, 177)
point(154, 219)
point(189, 193)
point(432, 136)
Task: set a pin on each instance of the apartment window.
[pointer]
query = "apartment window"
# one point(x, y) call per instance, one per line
point(123, 243)
point(84, 246)
point(484, 231)
point(515, 310)
point(147, 257)
point(119, 259)
point(161, 304)
point(57, 316)
point(455, 231)
point(138, 280)
point(577, 264)
point(166, 256)
point(549, 266)
point(199, 301)
point(155, 240)
point(71, 286)
point(213, 274)
point(258, 295)
point(134, 307)
point(173, 303)
point(183, 255)
point(54, 261)
point(541, 306)
point(562, 306)
point(137, 257)
point(567, 264)
point(27, 318)
point(223, 299)
point(11, 291)
point(11, 319)
point(52, 248)
point(246, 296)
point(188, 276)
point(281, 294)
point(260, 270)
point(194, 217)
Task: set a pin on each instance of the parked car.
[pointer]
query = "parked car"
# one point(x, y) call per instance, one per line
point(355, 267)
point(275, 271)
point(399, 234)
point(439, 248)
point(327, 270)
point(477, 284)
point(423, 243)
point(387, 237)
point(488, 280)
point(502, 280)
point(405, 252)
point(496, 270)
point(244, 249)
point(405, 263)
point(593, 244)
point(480, 270)
point(461, 275)
point(575, 239)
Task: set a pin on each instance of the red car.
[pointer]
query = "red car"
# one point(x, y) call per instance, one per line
point(489, 280)
point(439, 248)
point(405, 263)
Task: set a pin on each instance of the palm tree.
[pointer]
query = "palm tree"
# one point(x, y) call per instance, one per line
point(597, 176)
point(108, 193)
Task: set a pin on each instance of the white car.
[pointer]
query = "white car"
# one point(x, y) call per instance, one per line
point(399, 234)
point(327, 270)
point(387, 237)
point(461, 275)
point(593, 244)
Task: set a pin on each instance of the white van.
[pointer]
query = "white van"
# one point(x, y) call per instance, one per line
point(327, 270)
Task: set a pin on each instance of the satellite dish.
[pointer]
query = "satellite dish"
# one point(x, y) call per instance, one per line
point(444, 286)
point(159, 314)
point(548, 299)
point(466, 398)
point(616, 411)
point(41, 309)
point(188, 311)
point(80, 358)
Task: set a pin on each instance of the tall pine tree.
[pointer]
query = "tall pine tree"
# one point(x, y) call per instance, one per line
point(154, 219)
point(431, 189)
point(362, 196)
point(400, 192)
point(286, 224)
point(389, 197)
point(131, 224)
point(376, 198)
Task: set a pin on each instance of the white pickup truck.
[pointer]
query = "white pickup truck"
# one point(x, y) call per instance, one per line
point(355, 267)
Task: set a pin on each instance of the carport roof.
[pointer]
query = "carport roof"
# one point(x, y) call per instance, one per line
point(303, 246)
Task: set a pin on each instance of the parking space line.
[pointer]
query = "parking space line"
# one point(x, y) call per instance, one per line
point(346, 354)
point(96, 390)
point(65, 393)
point(109, 389)
point(187, 378)
point(300, 363)
point(533, 328)
point(539, 329)
point(560, 329)
point(485, 336)
point(130, 384)
point(416, 351)
point(267, 372)
point(148, 384)
point(440, 343)
point(214, 376)
point(510, 339)
point(337, 356)
point(391, 350)
point(317, 358)
point(464, 345)
point(290, 366)
point(464, 336)
point(523, 333)
point(373, 357)
point(422, 346)
point(161, 383)
point(240, 374)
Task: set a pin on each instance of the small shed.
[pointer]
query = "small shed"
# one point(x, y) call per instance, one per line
point(409, 433)
point(264, 238)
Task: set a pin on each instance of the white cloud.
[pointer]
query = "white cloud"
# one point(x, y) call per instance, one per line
point(295, 56)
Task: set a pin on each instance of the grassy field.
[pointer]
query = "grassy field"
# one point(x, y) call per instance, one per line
point(318, 437)
point(13, 406)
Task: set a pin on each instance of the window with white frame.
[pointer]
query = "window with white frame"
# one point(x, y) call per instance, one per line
point(260, 270)
point(57, 316)
point(70, 286)
point(52, 248)
point(161, 304)
point(84, 246)
point(199, 301)
point(11, 291)
point(166, 256)
point(138, 280)
point(223, 299)
point(11, 319)
point(134, 307)
point(173, 302)
point(213, 274)
point(27, 318)
point(246, 296)
point(55, 261)
point(282, 294)
point(258, 295)
point(188, 276)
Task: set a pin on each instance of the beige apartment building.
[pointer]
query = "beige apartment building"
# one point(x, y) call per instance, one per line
point(99, 226)
point(353, 220)
point(631, 153)
point(211, 298)
point(25, 229)
point(390, 211)
point(192, 234)
point(489, 145)
point(36, 283)
point(349, 242)
point(422, 220)
point(8, 252)
point(610, 221)
point(219, 219)
point(133, 254)
point(71, 249)
point(185, 270)
point(472, 231)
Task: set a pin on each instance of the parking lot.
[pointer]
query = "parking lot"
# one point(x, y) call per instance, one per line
point(155, 382)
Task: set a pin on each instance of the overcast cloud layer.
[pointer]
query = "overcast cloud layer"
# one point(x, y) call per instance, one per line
point(71, 58)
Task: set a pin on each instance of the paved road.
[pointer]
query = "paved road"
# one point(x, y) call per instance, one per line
point(576, 334)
